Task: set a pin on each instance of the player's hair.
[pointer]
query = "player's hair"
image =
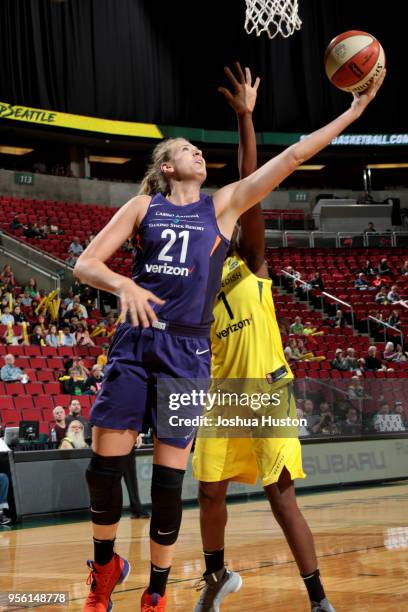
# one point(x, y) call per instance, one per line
point(154, 181)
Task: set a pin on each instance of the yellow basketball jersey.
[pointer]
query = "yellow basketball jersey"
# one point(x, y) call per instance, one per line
point(245, 337)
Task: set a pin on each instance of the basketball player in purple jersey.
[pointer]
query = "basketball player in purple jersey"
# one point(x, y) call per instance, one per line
point(166, 316)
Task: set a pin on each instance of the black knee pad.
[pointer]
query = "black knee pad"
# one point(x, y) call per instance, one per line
point(104, 475)
point(167, 507)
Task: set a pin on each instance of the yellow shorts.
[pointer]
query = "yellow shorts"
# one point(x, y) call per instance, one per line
point(245, 459)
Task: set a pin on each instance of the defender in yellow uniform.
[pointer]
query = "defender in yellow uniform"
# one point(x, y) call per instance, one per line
point(246, 345)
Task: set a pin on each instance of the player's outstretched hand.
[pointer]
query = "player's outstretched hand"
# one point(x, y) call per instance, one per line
point(362, 100)
point(244, 94)
point(134, 301)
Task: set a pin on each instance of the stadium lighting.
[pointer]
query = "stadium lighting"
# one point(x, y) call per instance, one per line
point(14, 150)
point(311, 167)
point(386, 166)
point(101, 159)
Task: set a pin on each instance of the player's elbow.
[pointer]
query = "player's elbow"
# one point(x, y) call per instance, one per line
point(80, 268)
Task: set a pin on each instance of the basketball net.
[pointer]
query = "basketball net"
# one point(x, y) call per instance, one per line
point(272, 16)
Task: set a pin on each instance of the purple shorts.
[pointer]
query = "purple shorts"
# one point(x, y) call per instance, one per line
point(138, 358)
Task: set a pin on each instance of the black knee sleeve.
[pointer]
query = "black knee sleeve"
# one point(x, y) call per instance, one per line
point(104, 475)
point(167, 507)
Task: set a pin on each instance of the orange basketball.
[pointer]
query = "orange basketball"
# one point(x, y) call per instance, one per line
point(353, 59)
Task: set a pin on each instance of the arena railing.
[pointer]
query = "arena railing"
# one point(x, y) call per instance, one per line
point(297, 280)
point(338, 301)
point(50, 279)
point(305, 239)
point(385, 327)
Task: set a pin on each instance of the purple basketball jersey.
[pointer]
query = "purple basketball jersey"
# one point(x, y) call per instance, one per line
point(180, 254)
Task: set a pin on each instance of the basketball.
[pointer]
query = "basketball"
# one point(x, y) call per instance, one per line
point(353, 59)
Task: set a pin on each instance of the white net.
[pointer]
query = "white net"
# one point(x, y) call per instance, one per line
point(272, 16)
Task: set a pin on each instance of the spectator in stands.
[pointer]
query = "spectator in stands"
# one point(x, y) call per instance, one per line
point(32, 231)
point(302, 429)
point(7, 277)
point(42, 323)
point(288, 354)
point(4, 487)
point(67, 338)
point(19, 317)
point(340, 362)
point(361, 283)
point(88, 297)
point(15, 223)
point(399, 409)
point(309, 414)
point(26, 300)
point(78, 363)
point(75, 413)
point(94, 381)
point(339, 319)
point(52, 338)
point(372, 363)
point(31, 288)
point(82, 336)
point(393, 297)
point(351, 358)
point(11, 338)
point(355, 389)
point(6, 316)
point(326, 423)
point(378, 282)
point(74, 250)
point(109, 323)
point(9, 372)
point(75, 436)
point(352, 425)
point(316, 282)
point(381, 297)
point(37, 337)
point(297, 327)
point(60, 423)
point(75, 383)
point(53, 229)
point(370, 229)
point(361, 366)
point(389, 352)
point(301, 348)
point(127, 246)
point(368, 269)
point(400, 355)
point(102, 359)
point(394, 319)
point(89, 239)
point(292, 344)
point(384, 268)
point(404, 268)
point(77, 307)
point(379, 422)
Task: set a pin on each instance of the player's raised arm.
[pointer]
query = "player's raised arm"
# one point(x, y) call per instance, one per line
point(251, 237)
point(234, 199)
point(91, 269)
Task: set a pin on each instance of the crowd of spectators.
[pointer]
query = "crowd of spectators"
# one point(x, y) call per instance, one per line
point(347, 417)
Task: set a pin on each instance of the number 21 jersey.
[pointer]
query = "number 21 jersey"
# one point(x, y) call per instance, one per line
point(180, 254)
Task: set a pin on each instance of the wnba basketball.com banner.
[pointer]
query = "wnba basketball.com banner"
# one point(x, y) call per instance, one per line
point(78, 122)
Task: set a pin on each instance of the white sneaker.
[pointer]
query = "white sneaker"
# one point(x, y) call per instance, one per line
point(215, 587)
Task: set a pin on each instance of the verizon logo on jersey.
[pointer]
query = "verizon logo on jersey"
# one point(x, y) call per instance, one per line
point(166, 269)
point(233, 327)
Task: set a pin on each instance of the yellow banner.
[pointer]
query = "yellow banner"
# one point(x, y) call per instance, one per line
point(78, 122)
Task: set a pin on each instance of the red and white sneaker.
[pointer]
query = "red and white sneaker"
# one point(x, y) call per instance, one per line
point(102, 580)
point(153, 602)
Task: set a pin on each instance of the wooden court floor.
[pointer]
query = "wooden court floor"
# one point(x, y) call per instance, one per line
point(361, 537)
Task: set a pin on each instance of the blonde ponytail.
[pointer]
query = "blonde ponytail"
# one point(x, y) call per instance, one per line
point(155, 181)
